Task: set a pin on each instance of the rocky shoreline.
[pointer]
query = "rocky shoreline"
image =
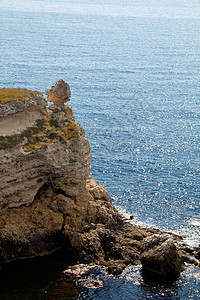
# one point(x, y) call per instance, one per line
point(49, 201)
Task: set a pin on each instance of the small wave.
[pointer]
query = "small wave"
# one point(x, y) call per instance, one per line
point(195, 222)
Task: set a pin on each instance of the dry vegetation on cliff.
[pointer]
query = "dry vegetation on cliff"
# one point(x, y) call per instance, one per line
point(7, 95)
point(45, 132)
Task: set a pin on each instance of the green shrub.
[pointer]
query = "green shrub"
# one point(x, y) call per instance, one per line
point(53, 123)
point(30, 147)
point(72, 161)
point(45, 132)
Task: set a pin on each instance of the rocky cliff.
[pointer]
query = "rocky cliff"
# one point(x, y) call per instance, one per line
point(48, 200)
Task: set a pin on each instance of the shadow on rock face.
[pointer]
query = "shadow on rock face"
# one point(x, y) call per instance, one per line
point(164, 285)
point(151, 280)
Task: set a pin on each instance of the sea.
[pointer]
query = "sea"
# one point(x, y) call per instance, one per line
point(133, 67)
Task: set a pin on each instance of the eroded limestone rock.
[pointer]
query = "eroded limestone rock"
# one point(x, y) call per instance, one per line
point(48, 200)
point(17, 115)
point(59, 93)
point(46, 193)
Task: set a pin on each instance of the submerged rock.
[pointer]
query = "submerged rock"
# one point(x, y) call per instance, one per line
point(88, 276)
point(160, 255)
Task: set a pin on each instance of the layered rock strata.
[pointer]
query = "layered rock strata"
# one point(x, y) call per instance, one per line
point(17, 114)
point(48, 200)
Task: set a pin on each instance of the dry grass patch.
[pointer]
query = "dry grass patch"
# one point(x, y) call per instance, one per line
point(7, 95)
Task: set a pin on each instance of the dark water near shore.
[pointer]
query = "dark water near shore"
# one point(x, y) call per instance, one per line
point(134, 72)
point(42, 279)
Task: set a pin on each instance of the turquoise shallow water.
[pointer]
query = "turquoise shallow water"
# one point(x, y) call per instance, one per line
point(134, 74)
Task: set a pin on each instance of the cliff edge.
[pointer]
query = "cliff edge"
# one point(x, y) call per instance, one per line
point(48, 200)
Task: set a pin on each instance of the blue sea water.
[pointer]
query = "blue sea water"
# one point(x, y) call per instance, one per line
point(134, 73)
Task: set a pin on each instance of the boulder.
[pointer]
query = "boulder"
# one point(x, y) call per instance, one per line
point(160, 255)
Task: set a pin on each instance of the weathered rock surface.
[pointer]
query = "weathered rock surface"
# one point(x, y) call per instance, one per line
point(60, 113)
point(160, 255)
point(15, 116)
point(59, 93)
point(48, 200)
point(24, 173)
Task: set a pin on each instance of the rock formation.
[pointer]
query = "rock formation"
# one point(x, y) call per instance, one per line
point(161, 256)
point(18, 114)
point(59, 93)
point(48, 200)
